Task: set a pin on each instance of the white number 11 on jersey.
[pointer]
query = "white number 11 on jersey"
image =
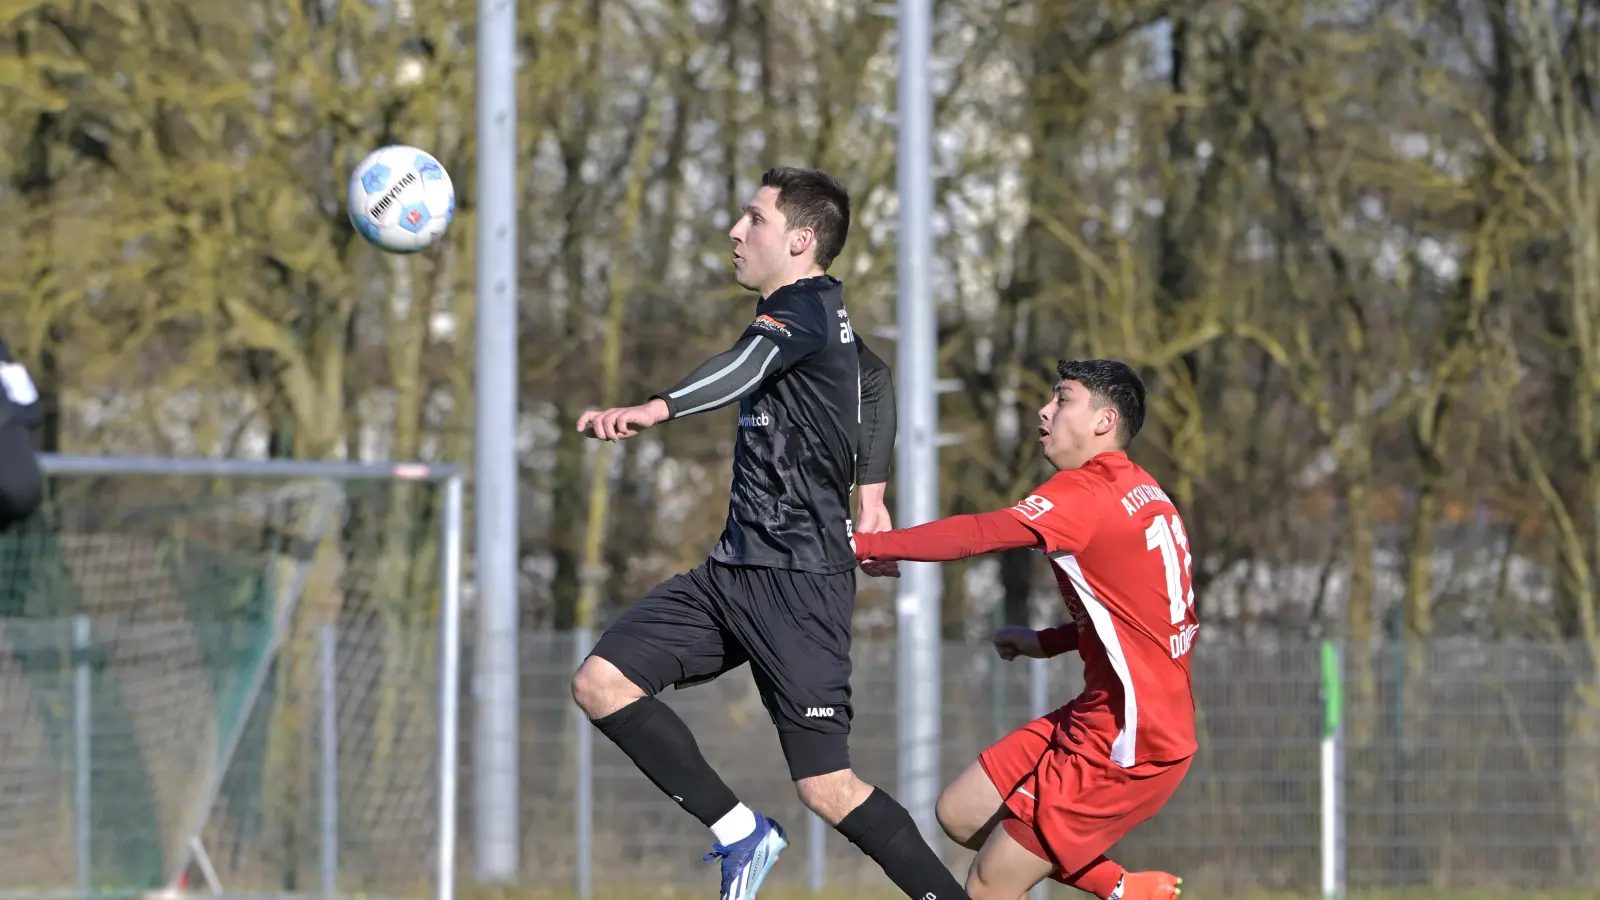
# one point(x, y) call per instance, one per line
point(1169, 538)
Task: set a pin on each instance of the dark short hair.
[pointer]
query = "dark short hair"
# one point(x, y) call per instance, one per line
point(811, 198)
point(1110, 383)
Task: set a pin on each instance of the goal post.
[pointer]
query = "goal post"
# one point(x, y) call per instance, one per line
point(233, 676)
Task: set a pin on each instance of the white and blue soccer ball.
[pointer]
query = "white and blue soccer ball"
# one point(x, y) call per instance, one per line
point(400, 199)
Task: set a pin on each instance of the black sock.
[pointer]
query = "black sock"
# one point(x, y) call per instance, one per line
point(884, 831)
point(664, 749)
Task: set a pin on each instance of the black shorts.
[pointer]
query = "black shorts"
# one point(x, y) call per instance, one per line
point(792, 627)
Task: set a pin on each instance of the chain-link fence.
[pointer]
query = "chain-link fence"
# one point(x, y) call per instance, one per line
point(142, 706)
point(1465, 764)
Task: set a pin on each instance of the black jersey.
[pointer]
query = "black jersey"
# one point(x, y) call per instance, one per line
point(816, 417)
point(794, 459)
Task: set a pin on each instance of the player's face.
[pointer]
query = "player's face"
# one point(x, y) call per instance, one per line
point(764, 248)
point(1072, 430)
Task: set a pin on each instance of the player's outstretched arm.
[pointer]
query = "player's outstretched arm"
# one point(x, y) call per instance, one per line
point(1059, 639)
point(726, 378)
point(1013, 641)
point(957, 537)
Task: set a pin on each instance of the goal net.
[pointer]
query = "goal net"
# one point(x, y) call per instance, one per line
point(227, 676)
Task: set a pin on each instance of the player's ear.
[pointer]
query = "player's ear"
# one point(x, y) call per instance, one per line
point(1106, 422)
point(801, 240)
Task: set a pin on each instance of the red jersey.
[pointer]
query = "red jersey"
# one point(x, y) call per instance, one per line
point(1122, 561)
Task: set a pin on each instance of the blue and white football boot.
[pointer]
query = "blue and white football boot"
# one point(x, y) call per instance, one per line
point(745, 864)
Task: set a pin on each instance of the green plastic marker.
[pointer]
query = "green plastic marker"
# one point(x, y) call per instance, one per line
point(1332, 691)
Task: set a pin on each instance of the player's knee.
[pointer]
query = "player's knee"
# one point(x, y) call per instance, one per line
point(969, 807)
point(980, 889)
point(812, 793)
point(951, 815)
point(600, 689)
point(989, 879)
point(833, 795)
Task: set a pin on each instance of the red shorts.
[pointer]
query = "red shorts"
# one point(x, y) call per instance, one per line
point(1069, 808)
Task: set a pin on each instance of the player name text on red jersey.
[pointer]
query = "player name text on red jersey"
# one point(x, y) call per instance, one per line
point(1135, 499)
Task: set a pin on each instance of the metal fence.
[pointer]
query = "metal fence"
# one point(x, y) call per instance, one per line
point(1468, 765)
point(1465, 764)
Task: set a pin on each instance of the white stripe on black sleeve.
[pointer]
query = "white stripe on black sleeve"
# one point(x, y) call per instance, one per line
point(741, 390)
point(727, 370)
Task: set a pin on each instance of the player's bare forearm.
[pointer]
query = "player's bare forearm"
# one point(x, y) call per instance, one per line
point(956, 537)
point(870, 496)
point(872, 516)
point(875, 434)
point(726, 378)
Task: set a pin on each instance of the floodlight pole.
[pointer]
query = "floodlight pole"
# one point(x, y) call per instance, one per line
point(495, 743)
point(917, 501)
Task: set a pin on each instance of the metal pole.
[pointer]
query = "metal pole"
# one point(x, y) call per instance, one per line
point(330, 762)
point(495, 498)
point(817, 851)
point(999, 685)
point(449, 682)
point(55, 464)
point(1332, 727)
point(82, 758)
point(584, 801)
point(917, 500)
point(1038, 705)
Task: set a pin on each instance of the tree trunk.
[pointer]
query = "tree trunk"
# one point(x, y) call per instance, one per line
point(591, 578)
point(1360, 622)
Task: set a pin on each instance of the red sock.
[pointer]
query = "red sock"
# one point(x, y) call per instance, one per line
point(1099, 878)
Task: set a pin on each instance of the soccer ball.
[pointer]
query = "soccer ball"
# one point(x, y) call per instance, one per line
point(400, 199)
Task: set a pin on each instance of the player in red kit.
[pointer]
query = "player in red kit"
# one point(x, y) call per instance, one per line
point(1066, 787)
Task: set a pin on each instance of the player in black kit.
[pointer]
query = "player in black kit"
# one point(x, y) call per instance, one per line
point(816, 417)
point(21, 482)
